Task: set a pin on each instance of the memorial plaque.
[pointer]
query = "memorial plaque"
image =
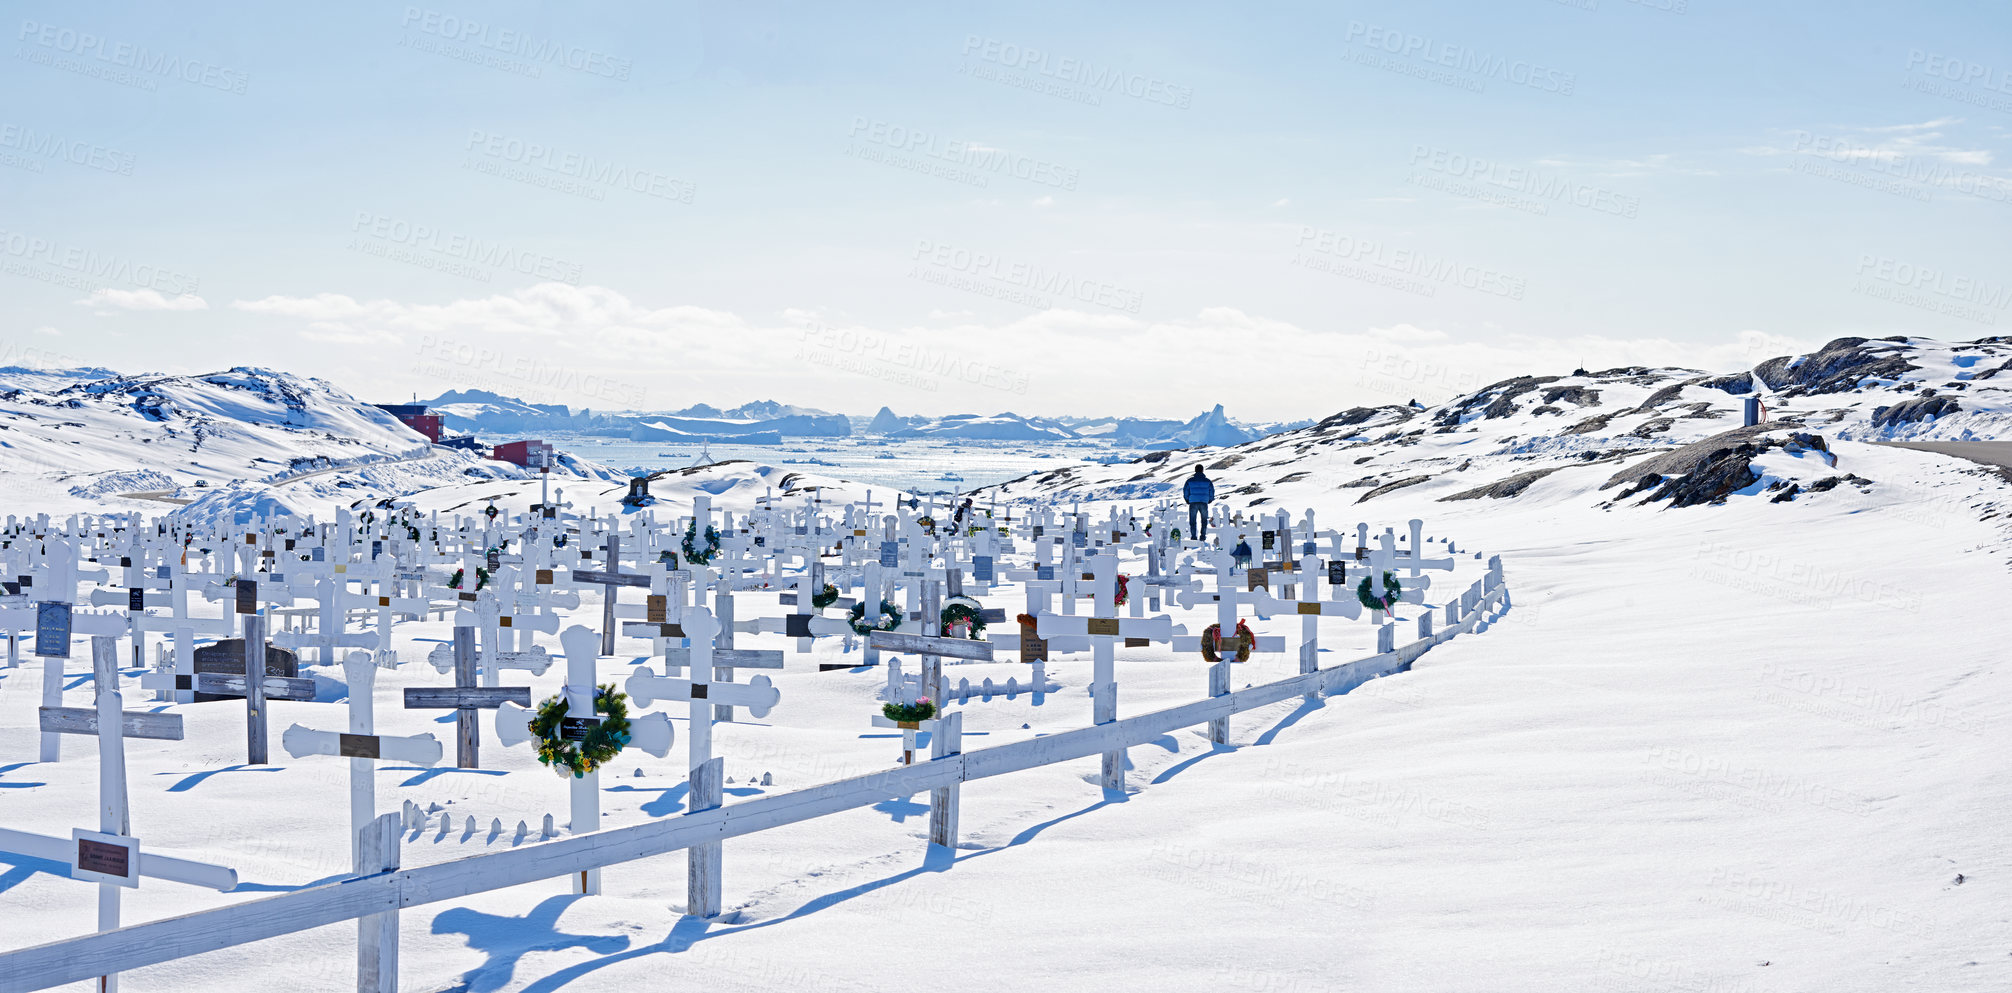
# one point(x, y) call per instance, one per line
point(1102, 625)
point(1306, 607)
point(796, 625)
point(1040, 529)
point(356, 746)
point(1032, 647)
point(1257, 578)
point(1080, 539)
point(247, 596)
point(1270, 538)
point(104, 858)
point(1337, 573)
point(52, 630)
point(577, 728)
point(1044, 573)
point(317, 554)
point(1307, 548)
point(890, 554)
point(544, 577)
point(495, 559)
point(1138, 642)
point(981, 568)
point(1361, 554)
point(656, 608)
point(136, 599)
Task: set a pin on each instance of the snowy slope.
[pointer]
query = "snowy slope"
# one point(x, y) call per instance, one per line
point(1737, 747)
point(1605, 433)
point(92, 444)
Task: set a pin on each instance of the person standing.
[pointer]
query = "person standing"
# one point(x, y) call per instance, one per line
point(1198, 491)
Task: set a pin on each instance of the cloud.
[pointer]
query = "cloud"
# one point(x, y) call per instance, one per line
point(1043, 201)
point(108, 301)
point(1282, 202)
point(595, 347)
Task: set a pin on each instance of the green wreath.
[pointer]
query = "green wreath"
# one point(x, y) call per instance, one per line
point(603, 742)
point(481, 579)
point(963, 609)
point(890, 618)
point(927, 522)
point(1391, 591)
point(1245, 641)
point(908, 713)
point(692, 554)
point(825, 597)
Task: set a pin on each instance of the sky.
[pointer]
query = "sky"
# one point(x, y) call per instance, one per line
point(1040, 208)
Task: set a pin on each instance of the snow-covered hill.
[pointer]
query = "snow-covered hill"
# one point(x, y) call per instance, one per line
point(139, 442)
point(1638, 435)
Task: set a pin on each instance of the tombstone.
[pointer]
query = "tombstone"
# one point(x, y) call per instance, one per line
point(227, 657)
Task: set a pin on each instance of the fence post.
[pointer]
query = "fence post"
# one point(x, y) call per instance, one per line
point(377, 934)
point(702, 878)
point(946, 742)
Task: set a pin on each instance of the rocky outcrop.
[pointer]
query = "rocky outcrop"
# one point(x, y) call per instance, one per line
point(1706, 472)
point(1392, 487)
point(1925, 407)
point(1502, 488)
point(1840, 365)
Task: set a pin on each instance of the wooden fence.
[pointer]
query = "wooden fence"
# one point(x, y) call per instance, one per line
point(384, 894)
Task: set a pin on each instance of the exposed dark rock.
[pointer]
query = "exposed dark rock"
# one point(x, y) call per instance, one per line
point(1737, 384)
point(1840, 365)
point(1590, 424)
point(1707, 471)
point(1156, 456)
point(1653, 426)
point(1389, 487)
point(1581, 395)
point(1546, 409)
point(1829, 483)
point(1356, 415)
point(1502, 488)
point(1493, 400)
point(1927, 406)
point(1787, 495)
point(1665, 395)
point(1292, 477)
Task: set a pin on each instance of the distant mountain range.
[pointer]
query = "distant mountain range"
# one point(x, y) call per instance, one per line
point(768, 421)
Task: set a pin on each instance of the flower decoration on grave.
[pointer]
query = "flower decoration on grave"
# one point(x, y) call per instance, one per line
point(481, 578)
point(890, 618)
point(600, 743)
point(490, 511)
point(1245, 642)
point(927, 523)
point(963, 610)
point(1124, 592)
point(825, 597)
point(690, 544)
point(1391, 591)
point(909, 714)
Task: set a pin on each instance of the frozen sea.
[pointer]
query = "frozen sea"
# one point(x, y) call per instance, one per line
point(910, 466)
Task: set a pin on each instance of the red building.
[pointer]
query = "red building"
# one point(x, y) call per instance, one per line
point(529, 454)
point(414, 416)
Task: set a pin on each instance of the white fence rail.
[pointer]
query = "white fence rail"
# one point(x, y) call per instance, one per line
point(140, 945)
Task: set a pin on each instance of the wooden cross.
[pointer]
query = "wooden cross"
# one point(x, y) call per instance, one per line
point(111, 856)
point(465, 698)
point(610, 580)
point(651, 733)
point(1104, 628)
point(362, 746)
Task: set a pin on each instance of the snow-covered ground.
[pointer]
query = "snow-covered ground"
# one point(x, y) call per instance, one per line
point(1744, 745)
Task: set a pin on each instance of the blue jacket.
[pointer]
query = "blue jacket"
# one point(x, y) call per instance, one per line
point(1199, 489)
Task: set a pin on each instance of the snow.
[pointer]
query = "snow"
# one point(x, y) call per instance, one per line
point(1748, 746)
